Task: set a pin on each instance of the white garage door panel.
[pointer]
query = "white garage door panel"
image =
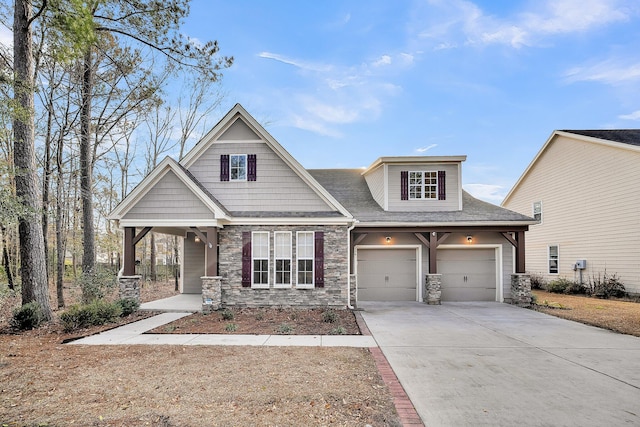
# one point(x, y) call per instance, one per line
point(387, 275)
point(468, 274)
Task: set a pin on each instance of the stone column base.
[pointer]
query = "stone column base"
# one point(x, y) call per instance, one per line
point(130, 287)
point(432, 289)
point(353, 291)
point(521, 290)
point(211, 293)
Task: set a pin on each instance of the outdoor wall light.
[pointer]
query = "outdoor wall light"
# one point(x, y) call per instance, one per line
point(197, 239)
point(469, 238)
point(388, 239)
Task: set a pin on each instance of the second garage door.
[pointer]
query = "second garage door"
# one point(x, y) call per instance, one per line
point(387, 275)
point(468, 274)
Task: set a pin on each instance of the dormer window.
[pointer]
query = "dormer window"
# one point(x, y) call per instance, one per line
point(423, 185)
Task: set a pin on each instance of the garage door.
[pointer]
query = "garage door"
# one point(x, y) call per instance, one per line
point(387, 275)
point(468, 274)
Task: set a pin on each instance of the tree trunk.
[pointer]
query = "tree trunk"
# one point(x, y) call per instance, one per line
point(32, 255)
point(61, 240)
point(86, 167)
point(5, 258)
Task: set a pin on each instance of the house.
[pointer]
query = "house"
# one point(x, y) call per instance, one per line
point(258, 229)
point(582, 187)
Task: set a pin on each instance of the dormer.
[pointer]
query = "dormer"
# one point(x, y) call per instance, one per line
point(416, 184)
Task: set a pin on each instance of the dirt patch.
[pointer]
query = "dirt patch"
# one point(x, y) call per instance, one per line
point(47, 383)
point(265, 321)
point(616, 315)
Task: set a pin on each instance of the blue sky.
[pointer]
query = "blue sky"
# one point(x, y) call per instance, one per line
point(341, 83)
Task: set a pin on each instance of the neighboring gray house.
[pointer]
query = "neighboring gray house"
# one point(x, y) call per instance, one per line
point(260, 230)
point(582, 186)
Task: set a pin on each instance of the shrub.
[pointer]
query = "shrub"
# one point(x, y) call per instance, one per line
point(96, 313)
point(537, 281)
point(227, 314)
point(28, 316)
point(95, 285)
point(606, 286)
point(329, 316)
point(128, 306)
point(575, 288)
point(231, 327)
point(338, 331)
point(558, 286)
point(284, 328)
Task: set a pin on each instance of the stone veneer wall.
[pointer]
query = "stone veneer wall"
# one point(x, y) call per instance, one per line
point(354, 290)
point(336, 274)
point(521, 290)
point(129, 287)
point(433, 289)
point(211, 293)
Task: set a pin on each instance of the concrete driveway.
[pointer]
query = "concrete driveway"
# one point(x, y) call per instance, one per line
point(493, 364)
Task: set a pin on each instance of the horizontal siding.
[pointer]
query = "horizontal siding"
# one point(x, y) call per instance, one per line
point(590, 208)
point(193, 265)
point(451, 203)
point(170, 198)
point(375, 181)
point(278, 188)
point(238, 131)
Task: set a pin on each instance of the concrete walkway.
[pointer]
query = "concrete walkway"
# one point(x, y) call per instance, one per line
point(492, 364)
point(134, 333)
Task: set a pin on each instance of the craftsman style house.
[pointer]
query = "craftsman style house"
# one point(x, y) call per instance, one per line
point(258, 229)
point(582, 187)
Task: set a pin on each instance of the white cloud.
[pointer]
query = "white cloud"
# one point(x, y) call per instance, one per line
point(383, 60)
point(425, 149)
point(632, 116)
point(488, 192)
point(611, 71)
point(296, 63)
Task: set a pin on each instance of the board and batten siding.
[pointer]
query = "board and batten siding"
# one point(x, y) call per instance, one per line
point(169, 198)
point(590, 209)
point(375, 181)
point(452, 202)
point(277, 187)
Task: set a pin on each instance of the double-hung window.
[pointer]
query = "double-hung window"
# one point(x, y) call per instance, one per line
point(282, 255)
point(305, 256)
point(260, 259)
point(537, 211)
point(238, 167)
point(554, 258)
point(423, 185)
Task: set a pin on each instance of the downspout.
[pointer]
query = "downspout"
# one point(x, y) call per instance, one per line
point(349, 230)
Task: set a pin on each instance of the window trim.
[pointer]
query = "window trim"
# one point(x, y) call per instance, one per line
point(312, 258)
point(433, 191)
point(276, 258)
point(246, 168)
point(533, 210)
point(557, 259)
point(254, 258)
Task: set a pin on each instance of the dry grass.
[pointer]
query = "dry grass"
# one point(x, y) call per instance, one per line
point(616, 315)
point(46, 383)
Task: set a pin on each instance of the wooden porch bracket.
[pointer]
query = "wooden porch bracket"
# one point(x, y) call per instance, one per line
point(141, 235)
point(518, 243)
point(130, 241)
point(434, 242)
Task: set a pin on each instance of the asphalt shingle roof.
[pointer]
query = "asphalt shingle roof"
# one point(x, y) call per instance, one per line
point(350, 188)
point(626, 136)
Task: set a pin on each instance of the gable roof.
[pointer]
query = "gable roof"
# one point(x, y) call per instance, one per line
point(350, 187)
point(628, 139)
point(168, 165)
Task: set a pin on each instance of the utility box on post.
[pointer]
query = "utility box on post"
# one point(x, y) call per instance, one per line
point(581, 264)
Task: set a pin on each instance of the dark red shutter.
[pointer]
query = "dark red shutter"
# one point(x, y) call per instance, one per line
point(251, 167)
point(442, 188)
point(404, 185)
point(319, 259)
point(224, 167)
point(246, 259)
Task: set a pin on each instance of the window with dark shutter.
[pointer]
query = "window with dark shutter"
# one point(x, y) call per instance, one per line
point(224, 167)
point(246, 259)
point(319, 259)
point(251, 167)
point(404, 185)
point(442, 189)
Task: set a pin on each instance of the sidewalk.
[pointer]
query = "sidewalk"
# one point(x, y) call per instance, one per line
point(133, 333)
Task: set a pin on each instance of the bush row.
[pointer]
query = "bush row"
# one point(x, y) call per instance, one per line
point(600, 286)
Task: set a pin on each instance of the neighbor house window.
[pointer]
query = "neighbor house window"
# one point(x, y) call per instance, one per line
point(282, 256)
point(305, 255)
point(537, 211)
point(260, 259)
point(238, 167)
point(554, 258)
